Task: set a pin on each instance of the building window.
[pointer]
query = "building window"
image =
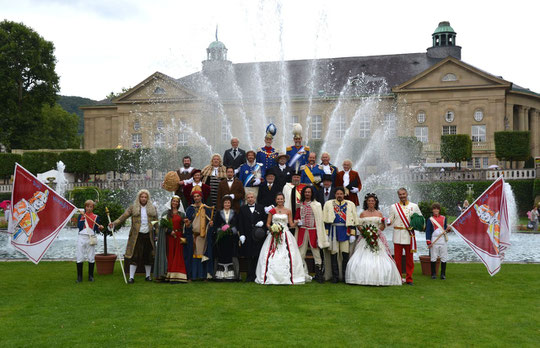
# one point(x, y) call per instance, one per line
point(390, 124)
point(447, 130)
point(449, 77)
point(421, 117)
point(294, 119)
point(159, 140)
point(364, 126)
point(469, 163)
point(159, 90)
point(183, 138)
point(136, 140)
point(421, 134)
point(225, 130)
point(485, 162)
point(477, 162)
point(438, 160)
point(316, 127)
point(478, 115)
point(136, 125)
point(160, 125)
point(341, 126)
point(449, 116)
point(478, 133)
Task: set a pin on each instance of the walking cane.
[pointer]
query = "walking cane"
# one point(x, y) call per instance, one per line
point(115, 245)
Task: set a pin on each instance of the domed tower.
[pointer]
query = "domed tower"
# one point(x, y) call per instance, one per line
point(216, 56)
point(444, 42)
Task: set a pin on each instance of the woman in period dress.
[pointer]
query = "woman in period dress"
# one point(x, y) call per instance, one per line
point(367, 267)
point(280, 263)
point(169, 264)
point(226, 243)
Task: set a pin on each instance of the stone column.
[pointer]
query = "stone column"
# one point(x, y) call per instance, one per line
point(526, 118)
point(535, 133)
point(521, 118)
point(509, 117)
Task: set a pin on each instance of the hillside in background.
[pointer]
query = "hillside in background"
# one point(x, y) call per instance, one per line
point(72, 104)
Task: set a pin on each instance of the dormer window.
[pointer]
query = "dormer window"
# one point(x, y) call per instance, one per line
point(449, 77)
point(159, 90)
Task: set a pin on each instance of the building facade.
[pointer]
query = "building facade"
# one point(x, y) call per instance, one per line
point(424, 94)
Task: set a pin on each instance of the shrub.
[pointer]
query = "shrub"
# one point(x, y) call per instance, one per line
point(512, 146)
point(456, 148)
point(39, 161)
point(79, 195)
point(7, 163)
point(425, 208)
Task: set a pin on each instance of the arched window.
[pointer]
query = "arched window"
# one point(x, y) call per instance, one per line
point(449, 77)
point(159, 90)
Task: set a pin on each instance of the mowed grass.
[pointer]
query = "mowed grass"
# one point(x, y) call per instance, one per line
point(43, 306)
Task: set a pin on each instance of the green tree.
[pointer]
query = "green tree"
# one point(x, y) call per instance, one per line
point(456, 148)
point(58, 130)
point(7, 164)
point(407, 150)
point(513, 146)
point(27, 82)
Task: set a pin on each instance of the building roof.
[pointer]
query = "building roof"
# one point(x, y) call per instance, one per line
point(309, 77)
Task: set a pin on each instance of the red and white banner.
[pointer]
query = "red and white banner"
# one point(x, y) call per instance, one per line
point(38, 214)
point(485, 226)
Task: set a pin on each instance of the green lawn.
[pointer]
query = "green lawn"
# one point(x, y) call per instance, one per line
point(43, 306)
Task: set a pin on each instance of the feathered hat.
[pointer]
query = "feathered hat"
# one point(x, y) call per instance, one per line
point(271, 130)
point(297, 131)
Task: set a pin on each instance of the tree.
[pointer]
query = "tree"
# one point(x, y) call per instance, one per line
point(7, 164)
point(27, 82)
point(512, 146)
point(407, 150)
point(456, 148)
point(58, 130)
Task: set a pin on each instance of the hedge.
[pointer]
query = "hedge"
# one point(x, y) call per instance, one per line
point(456, 148)
point(78, 162)
point(39, 162)
point(512, 145)
point(449, 194)
point(7, 163)
point(79, 195)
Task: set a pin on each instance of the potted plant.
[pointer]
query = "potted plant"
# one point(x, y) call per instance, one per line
point(105, 262)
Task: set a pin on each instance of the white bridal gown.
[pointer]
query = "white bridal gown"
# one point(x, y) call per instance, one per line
point(371, 268)
point(285, 265)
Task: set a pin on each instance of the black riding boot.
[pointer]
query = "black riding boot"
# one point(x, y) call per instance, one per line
point(443, 270)
point(79, 271)
point(319, 275)
point(335, 268)
point(433, 270)
point(344, 262)
point(90, 271)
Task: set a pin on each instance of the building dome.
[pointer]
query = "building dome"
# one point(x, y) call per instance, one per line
point(217, 45)
point(444, 27)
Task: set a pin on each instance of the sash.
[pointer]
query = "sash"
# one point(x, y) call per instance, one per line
point(405, 221)
point(433, 221)
point(296, 157)
point(250, 176)
point(309, 174)
point(340, 213)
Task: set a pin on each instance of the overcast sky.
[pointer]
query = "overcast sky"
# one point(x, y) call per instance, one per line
point(104, 45)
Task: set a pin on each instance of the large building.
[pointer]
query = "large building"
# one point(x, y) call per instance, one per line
point(423, 94)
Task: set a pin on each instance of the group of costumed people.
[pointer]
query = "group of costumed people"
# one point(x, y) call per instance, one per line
point(270, 208)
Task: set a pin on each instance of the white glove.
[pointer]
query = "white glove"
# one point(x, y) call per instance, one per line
point(267, 209)
point(236, 170)
point(257, 182)
point(242, 239)
point(352, 239)
point(259, 224)
point(354, 190)
point(299, 223)
point(231, 195)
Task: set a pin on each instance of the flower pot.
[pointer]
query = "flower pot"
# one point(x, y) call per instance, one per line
point(425, 262)
point(105, 263)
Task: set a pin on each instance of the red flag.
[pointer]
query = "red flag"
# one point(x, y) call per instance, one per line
point(38, 214)
point(484, 226)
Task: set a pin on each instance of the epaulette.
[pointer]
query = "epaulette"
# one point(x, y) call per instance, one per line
point(306, 148)
point(302, 167)
point(289, 148)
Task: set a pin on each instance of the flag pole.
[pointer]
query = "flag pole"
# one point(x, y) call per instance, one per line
point(115, 245)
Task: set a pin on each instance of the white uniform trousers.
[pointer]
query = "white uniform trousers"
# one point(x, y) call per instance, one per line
point(439, 249)
point(85, 251)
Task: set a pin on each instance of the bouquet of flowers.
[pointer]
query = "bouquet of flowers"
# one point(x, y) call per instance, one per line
point(371, 234)
point(223, 232)
point(276, 230)
point(166, 223)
